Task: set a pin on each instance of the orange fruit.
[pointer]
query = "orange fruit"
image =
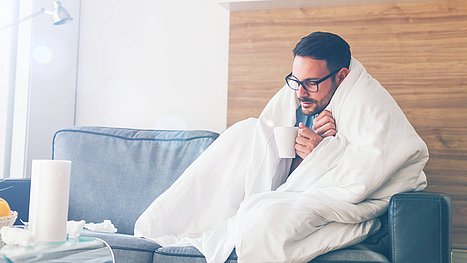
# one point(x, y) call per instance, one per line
point(4, 208)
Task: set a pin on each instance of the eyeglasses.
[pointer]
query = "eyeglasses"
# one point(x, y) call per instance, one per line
point(310, 85)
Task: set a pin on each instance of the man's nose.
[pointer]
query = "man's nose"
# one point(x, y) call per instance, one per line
point(302, 92)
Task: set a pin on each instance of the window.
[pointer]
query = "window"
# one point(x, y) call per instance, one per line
point(15, 42)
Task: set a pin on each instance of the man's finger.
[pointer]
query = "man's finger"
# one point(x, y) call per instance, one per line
point(319, 123)
point(301, 140)
point(328, 133)
point(305, 132)
point(323, 114)
point(300, 148)
point(323, 129)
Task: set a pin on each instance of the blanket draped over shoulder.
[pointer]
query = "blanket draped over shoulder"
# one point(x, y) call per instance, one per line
point(237, 193)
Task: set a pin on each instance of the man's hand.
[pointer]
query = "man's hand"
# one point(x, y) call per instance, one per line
point(324, 124)
point(307, 140)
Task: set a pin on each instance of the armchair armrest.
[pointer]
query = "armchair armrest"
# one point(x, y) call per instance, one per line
point(420, 227)
point(17, 196)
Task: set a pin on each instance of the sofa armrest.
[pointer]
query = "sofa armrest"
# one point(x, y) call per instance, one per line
point(17, 196)
point(420, 227)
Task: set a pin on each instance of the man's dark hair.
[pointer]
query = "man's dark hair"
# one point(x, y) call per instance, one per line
point(325, 46)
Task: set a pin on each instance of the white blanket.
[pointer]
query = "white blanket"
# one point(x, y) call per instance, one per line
point(236, 193)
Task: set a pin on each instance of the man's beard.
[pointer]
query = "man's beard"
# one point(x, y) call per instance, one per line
point(305, 111)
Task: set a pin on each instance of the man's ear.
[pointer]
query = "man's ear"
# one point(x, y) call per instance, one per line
point(342, 74)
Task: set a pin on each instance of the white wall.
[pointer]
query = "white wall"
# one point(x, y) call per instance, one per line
point(153, 64)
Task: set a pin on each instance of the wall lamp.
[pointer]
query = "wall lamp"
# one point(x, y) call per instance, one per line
point(60, 16)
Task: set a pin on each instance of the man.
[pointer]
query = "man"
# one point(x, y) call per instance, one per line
point(321, 61)
point(240, 194)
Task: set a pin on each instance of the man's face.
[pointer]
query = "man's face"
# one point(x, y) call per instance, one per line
point(309, 68)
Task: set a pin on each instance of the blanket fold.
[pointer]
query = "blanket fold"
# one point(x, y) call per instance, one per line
point(237, 194)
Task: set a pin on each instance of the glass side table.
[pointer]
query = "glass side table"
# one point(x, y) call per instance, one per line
point(82, 249)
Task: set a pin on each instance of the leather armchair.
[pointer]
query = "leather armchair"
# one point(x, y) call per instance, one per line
point(420, 227)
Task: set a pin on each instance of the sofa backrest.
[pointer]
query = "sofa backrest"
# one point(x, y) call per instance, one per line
point(117, 173)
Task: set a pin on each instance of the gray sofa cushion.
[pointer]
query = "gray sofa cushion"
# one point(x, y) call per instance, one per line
point(117, 173)
point(351, 255)
point(187, 254)
point(355, 254)
point(127, 248)
point(380, 241)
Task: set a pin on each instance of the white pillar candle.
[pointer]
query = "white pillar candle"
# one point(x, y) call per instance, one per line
point(48, 204)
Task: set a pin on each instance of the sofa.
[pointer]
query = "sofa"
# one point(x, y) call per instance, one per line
point(117, 173)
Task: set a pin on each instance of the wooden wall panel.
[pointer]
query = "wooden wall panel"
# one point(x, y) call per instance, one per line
point(418, 51)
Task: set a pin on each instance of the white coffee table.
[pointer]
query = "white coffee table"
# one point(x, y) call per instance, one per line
point(83, 249)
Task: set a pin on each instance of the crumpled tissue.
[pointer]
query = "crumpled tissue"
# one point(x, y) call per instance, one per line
point(16, 236)
point(73, 228)
point(105, 226)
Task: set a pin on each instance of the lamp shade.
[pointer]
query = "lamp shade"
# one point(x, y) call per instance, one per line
point(60, 15)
